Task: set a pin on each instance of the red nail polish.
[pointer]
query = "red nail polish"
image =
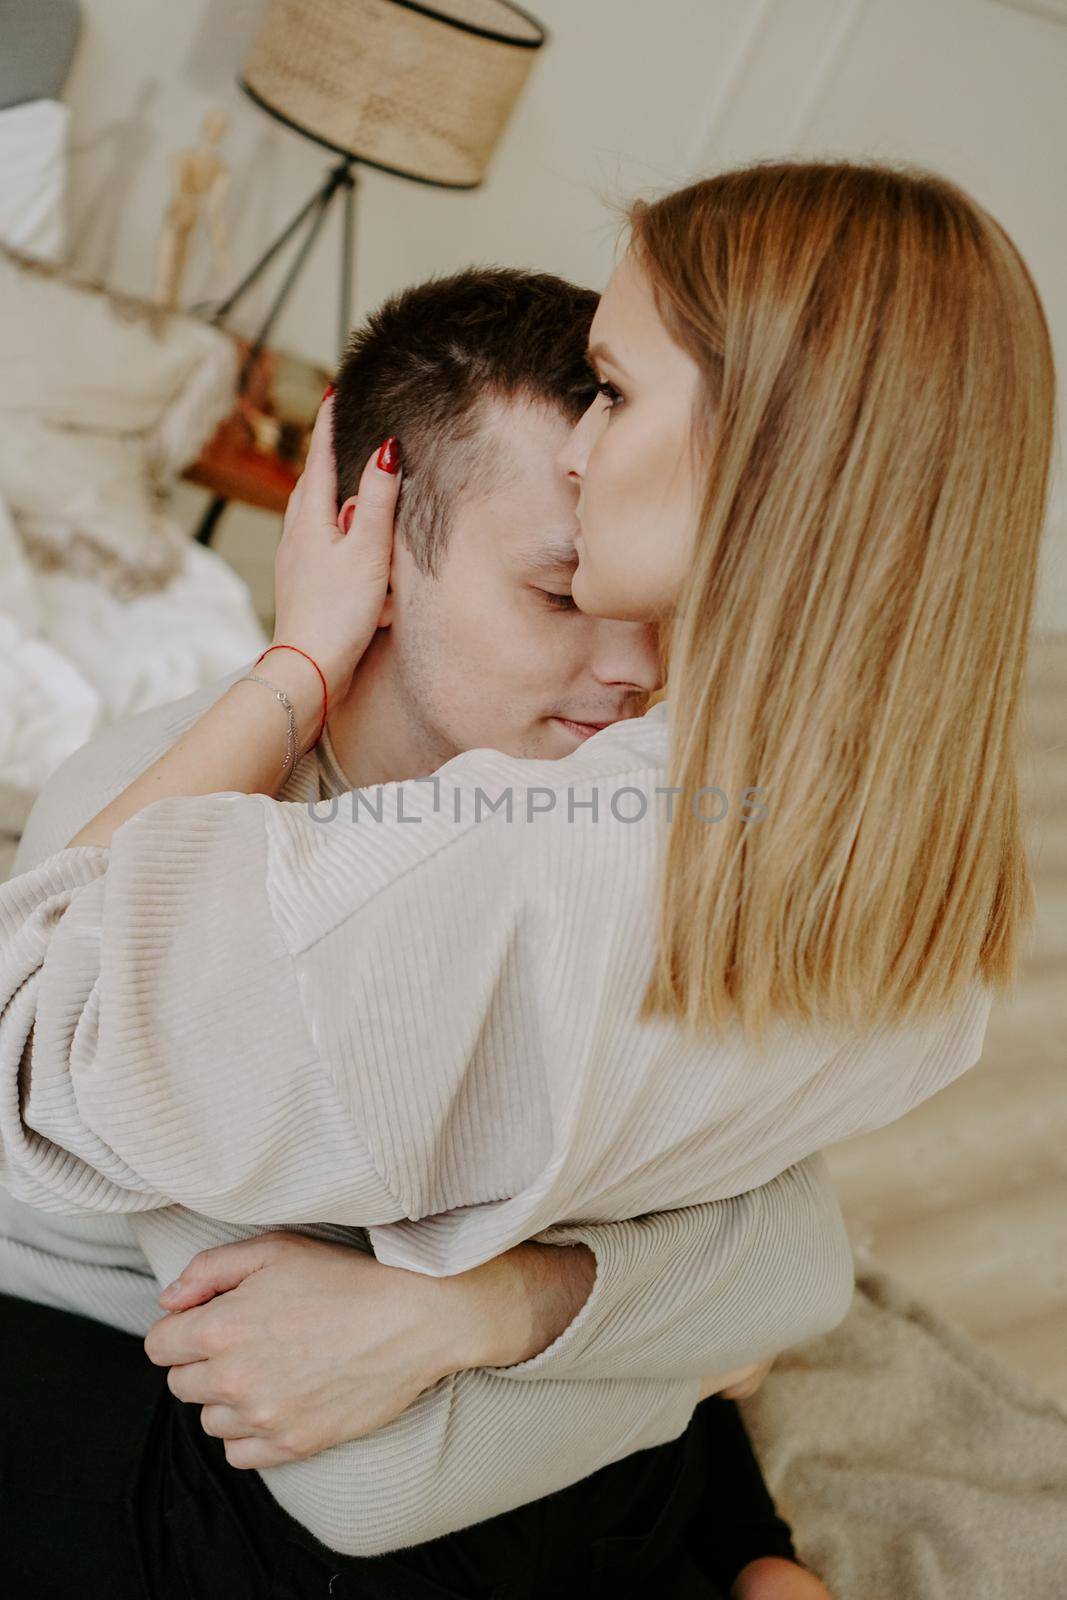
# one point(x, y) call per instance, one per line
point(389, 456)
point(328, 393)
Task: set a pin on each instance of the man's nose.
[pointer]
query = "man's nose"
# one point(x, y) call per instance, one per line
point(574, 453)
point(628, 655)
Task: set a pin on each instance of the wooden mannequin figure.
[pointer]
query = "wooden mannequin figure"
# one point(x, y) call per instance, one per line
point(201, 180)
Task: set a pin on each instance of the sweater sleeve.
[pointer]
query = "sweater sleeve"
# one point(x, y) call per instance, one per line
point(707, 1288)
point(153, 1044)
point(467, 1450)
point(679, 1295)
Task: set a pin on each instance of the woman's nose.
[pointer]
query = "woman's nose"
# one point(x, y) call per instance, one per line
point(630, 654)
point(574, 454)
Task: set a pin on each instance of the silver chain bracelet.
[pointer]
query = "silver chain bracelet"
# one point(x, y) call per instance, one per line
point(292, 743)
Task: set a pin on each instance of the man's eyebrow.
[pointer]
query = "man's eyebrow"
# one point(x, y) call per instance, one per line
point(560, 556)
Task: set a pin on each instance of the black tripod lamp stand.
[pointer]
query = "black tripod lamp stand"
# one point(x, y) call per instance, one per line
point(418, 90)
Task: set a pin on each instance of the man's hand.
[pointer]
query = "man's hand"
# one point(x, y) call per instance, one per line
point(291, 1345)
point(739, 1384)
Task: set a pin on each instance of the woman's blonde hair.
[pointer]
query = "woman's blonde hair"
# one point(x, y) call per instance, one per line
point(875, 427)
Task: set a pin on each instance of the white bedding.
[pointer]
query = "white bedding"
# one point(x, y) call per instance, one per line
point(74, 657)
point(107, 606)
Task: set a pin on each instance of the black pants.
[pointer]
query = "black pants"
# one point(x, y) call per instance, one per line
point(110, 1487)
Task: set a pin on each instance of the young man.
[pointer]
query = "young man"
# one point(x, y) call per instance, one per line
point(480, 646)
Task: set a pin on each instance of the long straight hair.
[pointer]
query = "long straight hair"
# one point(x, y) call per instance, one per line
point(875, 428)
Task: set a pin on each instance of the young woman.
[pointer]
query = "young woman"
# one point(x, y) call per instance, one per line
point(821, 460)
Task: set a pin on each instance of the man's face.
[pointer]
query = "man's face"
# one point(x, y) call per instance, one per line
point(493, 652)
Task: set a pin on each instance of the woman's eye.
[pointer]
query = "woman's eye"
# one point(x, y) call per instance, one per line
point(559, 602)
point(610, 393)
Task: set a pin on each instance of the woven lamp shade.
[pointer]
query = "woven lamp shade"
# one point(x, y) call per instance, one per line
point(421, 90)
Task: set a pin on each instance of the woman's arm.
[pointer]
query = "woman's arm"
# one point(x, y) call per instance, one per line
point(329, 594)
point(83, 1034)
point(153, 1043)
point(238, 745)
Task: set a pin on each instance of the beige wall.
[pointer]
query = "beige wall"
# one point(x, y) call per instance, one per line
point(628, 96)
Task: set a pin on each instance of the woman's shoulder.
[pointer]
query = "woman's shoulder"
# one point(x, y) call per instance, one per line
point(498, 835)
point(606, 799)
point(630, 745)
point(612, 781)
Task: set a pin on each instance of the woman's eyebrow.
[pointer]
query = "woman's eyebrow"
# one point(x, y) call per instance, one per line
point(600, 352)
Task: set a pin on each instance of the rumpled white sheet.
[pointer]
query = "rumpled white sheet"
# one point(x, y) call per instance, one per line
point(74, 657)
point(106, 606)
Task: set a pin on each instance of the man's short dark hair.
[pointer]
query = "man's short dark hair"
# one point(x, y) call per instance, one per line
point(425, 366)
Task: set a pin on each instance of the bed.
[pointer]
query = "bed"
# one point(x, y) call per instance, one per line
point(107, 604)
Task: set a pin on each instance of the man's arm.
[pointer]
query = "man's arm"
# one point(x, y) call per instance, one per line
point(682, 1293)
point(677, 1295)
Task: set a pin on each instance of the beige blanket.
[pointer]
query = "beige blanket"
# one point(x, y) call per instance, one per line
point(911, 1464)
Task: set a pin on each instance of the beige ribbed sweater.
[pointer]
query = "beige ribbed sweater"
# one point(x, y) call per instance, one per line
point(246, 1012)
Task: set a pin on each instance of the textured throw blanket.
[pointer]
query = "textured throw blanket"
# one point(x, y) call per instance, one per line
point(911, 1464)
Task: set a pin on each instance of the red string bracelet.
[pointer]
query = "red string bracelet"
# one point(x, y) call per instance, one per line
point(315, 664)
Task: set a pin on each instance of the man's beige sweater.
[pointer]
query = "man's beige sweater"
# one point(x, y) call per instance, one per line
point(416, 1018)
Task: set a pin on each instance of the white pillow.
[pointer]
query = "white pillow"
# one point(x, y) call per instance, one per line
point(76, 354)
point(103, 398)
point(33, 193)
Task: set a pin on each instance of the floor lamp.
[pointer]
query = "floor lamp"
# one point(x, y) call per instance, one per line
point(418, 90)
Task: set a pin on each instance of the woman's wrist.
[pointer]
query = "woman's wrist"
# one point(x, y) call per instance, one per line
point(293, 673)
point(241, 742)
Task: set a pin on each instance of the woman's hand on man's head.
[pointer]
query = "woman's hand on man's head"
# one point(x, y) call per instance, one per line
point(330, 585)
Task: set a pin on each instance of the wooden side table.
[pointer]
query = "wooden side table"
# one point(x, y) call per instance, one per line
point(257, 453)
